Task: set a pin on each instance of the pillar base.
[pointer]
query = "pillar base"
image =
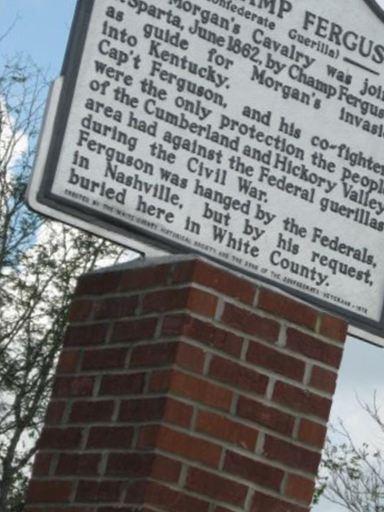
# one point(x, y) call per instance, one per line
point(185, 387)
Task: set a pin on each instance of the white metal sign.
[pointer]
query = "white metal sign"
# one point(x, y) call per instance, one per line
point(250, 131)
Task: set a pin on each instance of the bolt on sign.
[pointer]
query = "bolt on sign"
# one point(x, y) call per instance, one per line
point(250, 131)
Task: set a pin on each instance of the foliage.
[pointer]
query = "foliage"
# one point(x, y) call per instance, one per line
point(40, 262)
point(352, 475)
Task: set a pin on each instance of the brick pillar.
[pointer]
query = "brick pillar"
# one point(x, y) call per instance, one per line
point(185, 387)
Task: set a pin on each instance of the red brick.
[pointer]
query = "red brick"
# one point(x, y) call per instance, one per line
point(140, 465)
point(160, 381)
point(55, 412)
point(165, 498)
point(42, 464)
point(154, 354)
point(301, 400)
point(184, 272)
point(254, 471)
point(183, 445)
point(333, 327)
point(300, 489)
point(49, 491)
point(135, 491)
point(160, 354)
point(190, 358)
point(250, 323)
point(189, 298)
point(287, 308)
point(201, 390)
point(178, 413)
point(104, 359)
point(291, 455)
point(148, 436)
point(78, 464)
point(115, 307)
point(314, 348)
point(201, 302)
point(165, 353)
point(122, 384)
point(93, 491)
point(152, 409)
point(60, 439)
point(146, 277)
point(275, 361)
point(129, 465)
point(324, 380)
point(98, 284)
point(237, 375)
point(80, 310)
point(142, 409)
point(165, 469)
point(228, 430)
point(265, 416)
point(61, 508)
point(203, 332)
point(134, 330)
point(68, 361)
point(312, 433)
point(121, 508)
point(214, 277)
point(91, 412)
point(85, 335)
point(216, 487)
point(73, 386)
point(110, 437)
point(263, 503)
point(177, 324)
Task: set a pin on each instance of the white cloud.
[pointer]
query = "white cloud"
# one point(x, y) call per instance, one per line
point(13, 143)
point(360, 376)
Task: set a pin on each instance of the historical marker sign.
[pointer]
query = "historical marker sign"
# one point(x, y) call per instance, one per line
point(247, 130)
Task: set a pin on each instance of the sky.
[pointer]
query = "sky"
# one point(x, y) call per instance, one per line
point(40, 29)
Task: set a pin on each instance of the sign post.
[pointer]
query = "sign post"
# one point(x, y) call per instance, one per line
point(248, 131)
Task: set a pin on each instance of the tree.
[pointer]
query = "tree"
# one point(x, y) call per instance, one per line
point(352, 475)
point(40, 262)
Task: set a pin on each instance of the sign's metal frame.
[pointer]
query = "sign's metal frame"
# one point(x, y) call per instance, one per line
point(42, 200)
point(376, 8)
